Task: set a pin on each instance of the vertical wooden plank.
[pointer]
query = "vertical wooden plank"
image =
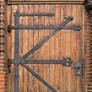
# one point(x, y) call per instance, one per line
point(64, 54)
point(73, 48)
point(46, 48)
point(79, 45)
point(41, 50)
point(27, 24)
point(30, 36)
point(61, 48)
point(68, 69)
point(25, 43)
point(36, 40)
point(52, 47)
point(57, 47)
point(8, 34)
point(44, 57)
point(14, 8)
point(9, 43)
point(83, 46)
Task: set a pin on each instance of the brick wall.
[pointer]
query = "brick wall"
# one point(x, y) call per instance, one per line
point(3, 65)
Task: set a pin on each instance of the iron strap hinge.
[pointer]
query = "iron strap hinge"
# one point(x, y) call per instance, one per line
point(19, 26)
point(65, 62)
point(49, 14)
point(51, 27)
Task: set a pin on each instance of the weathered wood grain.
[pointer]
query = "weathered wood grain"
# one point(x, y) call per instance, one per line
point(31, 44)
point(74, 49)
point(36, 40)
point(52, 47)
point(65, 43)
point(47, 47)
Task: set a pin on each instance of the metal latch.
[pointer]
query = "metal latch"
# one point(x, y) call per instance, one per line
point(78, 68)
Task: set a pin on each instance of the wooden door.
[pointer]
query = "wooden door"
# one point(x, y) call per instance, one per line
point(64, 43)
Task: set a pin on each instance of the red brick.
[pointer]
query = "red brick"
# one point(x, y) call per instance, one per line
point(3, 32)
point(2, 2)
point(2, 54)
point(2, 24)
point(3, 75)
point(3, 80)
point(2, 9)
point(2, 62)
point(3, 70)
point(3, 89)
point(2, 85)
point(2, 17)
point(3, 66)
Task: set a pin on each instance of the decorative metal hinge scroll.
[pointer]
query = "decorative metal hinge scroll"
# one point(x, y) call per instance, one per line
point(65, 62)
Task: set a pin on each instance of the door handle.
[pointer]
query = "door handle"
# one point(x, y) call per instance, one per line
point(78, 67)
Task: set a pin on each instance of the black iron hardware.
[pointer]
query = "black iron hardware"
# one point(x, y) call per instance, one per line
point(19, 26)
point(22, 27)
point(39, 78)
point(9, 66)
point(65, 62)
point(78, 68)
point(49, 14)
